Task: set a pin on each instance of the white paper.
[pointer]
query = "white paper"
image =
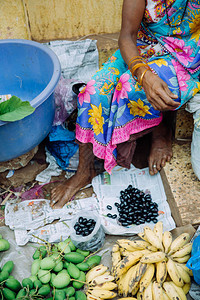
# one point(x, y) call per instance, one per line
point(107, 188)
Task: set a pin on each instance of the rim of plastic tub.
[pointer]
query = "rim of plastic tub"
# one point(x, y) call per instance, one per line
point(39, 99)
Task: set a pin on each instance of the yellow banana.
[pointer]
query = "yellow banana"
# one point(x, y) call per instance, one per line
point(126, 246)
point(121, 284)
point(179, 291)
point(142, 236)
point(185, 250)
point(183, 273)
point(148, 292)
point(109, 285)
point(165, 297)
point(128, 275)
point(152, 248)
point(138, 244)
point(90, 297)
point(153, 257)
point(183, 259)
point(103, 294)
point(161, 272)
point(170, 291)
point(152, 238)
point(96, 271)
point(179, 242)
point(158, 230)
point(147, 277)
point(185, 268)
point(128, 262)
point(116, 256)
point(124, 252)
point(186, 288)
point(134, 280)
point(167, 240)
point(106, 277)
point(139, 296)
point(157, 291)
point(115, 248)
point(135, 290)
point(173, 273)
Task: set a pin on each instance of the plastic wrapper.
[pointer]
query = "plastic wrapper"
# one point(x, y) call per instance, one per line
point(65, 100)
point(93, 241)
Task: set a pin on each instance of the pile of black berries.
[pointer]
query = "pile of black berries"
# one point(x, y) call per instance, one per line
point(135, 207)
point(84, 226)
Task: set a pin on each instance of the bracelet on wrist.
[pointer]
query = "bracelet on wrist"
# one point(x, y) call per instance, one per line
point(142, 76)
point(134, 59)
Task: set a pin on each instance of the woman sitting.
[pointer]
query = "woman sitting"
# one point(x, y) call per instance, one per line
point(155, 70)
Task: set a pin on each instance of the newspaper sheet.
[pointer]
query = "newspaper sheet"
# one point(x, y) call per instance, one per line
point(35, 217)
point(107, 188)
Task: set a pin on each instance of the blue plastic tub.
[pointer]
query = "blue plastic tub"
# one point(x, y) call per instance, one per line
point(30, 71)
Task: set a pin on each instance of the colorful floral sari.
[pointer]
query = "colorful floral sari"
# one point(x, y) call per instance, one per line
point(113, 106)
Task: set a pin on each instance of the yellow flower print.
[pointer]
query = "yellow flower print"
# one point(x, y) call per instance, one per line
point(114, 71)
point(138, 108)
point(159, 62)
point(138, 87)
point(96, 118)
point(195, 26)
point(106, 88)
point(177, 31)
point(197, 89)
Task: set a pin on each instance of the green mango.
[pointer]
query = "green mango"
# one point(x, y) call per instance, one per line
point(78, 284)
point(74, 257)
point(8, 266)
point(8, 294)
point(4, 275)
point(73, 271)
point(27, 282)
point(21, 294)
point(79, 295)
point(4, 245)
point(13, 284)
point(84, 252)
point(93, 261)
point(44, 290)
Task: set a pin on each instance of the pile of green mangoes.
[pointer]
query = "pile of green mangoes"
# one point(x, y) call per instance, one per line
point(57, 272)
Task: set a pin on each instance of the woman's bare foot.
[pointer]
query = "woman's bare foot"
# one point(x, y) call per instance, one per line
point(64, 191)
point(161, 148)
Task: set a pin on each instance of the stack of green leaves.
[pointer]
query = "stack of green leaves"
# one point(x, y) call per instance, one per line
point(15, 109)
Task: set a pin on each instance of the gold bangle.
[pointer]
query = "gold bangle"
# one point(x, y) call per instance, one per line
point(135, 58)
point(136, 66)
point(142, 76)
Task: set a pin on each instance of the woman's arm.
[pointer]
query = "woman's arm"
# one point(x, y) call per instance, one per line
point(157, 91)
point(132, 15)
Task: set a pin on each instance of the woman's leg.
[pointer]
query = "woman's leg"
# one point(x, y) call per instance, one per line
point(161, 143)
point(64, 191)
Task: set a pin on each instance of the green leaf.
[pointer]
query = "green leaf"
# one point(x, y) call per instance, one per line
point(15, 109)
point(80, 111)
point(121, 111)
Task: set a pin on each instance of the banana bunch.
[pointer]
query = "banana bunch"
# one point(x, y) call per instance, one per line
point(154, 267)
point(100, 284)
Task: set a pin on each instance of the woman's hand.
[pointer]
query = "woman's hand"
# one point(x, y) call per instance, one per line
point(158, 93)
